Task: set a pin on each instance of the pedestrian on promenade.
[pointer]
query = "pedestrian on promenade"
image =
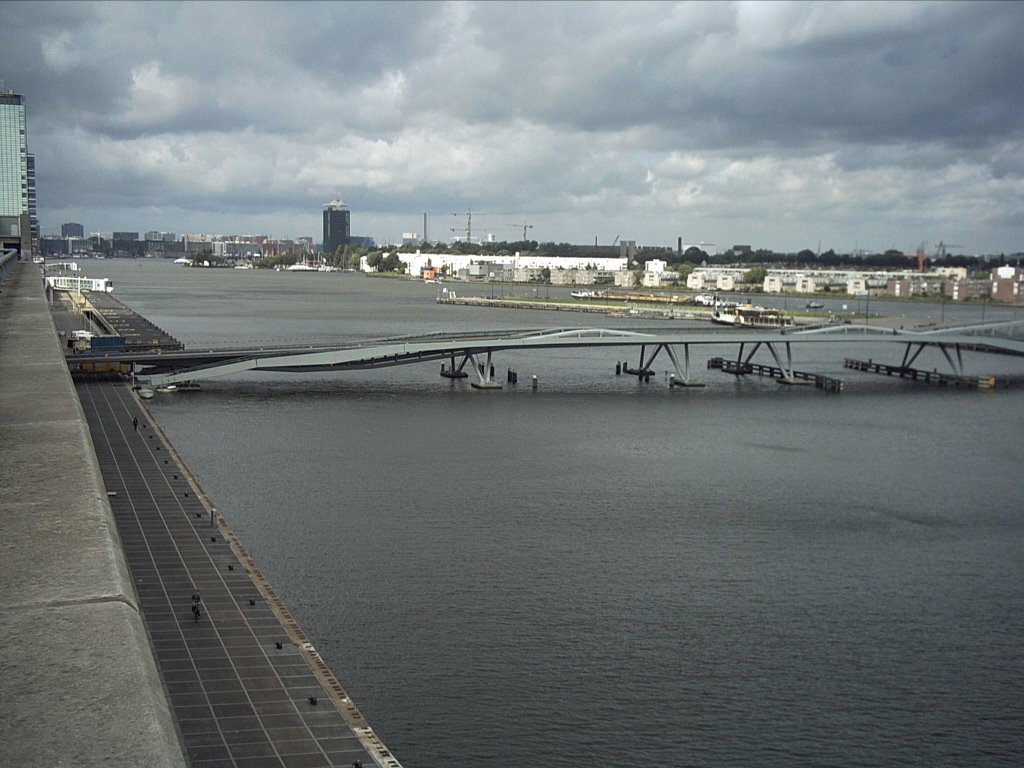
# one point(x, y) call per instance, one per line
point(135, 423)
point(196, 600)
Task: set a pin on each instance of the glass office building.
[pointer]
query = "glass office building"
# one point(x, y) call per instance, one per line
point(337, 226)
point(13, 156)
point(17, 175)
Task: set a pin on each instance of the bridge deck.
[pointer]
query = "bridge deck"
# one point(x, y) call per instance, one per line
point(240, 680)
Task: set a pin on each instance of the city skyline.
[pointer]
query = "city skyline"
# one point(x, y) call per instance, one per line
point(784, 125)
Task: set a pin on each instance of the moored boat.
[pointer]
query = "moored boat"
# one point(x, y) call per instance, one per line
point(749, 316)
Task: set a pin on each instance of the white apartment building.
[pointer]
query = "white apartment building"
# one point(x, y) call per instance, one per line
point(417, 262)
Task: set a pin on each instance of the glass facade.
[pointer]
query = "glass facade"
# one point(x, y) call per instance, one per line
point(337, 226)
point(14, 187)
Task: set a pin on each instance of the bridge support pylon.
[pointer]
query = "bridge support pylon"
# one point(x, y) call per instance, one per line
point(682, 377)
point(453, 372)
point(484, 373)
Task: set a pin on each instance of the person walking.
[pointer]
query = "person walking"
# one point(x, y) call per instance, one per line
point(135, 423)
point(196, 600)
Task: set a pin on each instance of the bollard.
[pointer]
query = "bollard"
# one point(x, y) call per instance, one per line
point(618, 369)
point(535, 382)
point(672, 380)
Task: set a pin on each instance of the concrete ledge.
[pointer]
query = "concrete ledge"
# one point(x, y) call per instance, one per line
point(80, 688)
point(78, 682)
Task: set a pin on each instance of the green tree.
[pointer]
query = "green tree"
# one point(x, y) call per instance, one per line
point(694, 254)
point(391, 263)
point(755, 276)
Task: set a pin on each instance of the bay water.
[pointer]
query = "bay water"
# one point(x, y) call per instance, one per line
point(604, 572)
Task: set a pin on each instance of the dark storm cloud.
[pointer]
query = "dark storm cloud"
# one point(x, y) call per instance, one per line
point(648, 116)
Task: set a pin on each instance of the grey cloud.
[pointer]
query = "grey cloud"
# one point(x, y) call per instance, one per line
point(544, 108)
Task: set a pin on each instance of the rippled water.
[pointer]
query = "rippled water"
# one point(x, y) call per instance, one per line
point(609, 573)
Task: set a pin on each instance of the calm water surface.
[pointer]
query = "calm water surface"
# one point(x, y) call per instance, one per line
point(608, 573)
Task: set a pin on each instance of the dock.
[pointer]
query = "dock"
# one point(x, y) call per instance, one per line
point(246, 685)
point(741, 368)
point(78, 682)
point(106, 534)
point(935, 377)
point(621, 309)
point(117, 325)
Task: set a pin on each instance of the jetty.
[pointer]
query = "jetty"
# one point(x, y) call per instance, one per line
point(106, 536)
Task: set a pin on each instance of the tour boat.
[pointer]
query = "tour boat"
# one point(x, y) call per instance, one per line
point(749, 316)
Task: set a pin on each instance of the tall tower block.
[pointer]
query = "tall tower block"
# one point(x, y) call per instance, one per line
point(17, 176)
point(337, 226)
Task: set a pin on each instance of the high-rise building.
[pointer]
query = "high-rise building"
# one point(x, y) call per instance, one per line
point(72, 229)
point(337, 226)
point(33, 219)
point(17, 194)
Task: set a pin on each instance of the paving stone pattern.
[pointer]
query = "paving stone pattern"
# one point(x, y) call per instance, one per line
point(239, 687)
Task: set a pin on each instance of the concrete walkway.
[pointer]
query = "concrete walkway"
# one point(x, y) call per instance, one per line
point(246, 687)
point(78, 681)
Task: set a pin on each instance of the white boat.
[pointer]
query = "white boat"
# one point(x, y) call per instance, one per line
point(581, 294)
point(68, 283)
point(749, 316)
point(183, 261)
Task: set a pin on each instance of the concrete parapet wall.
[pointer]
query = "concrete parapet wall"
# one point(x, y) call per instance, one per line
point(78, 682)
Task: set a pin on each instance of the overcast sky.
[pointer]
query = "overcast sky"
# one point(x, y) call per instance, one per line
point(777, 124)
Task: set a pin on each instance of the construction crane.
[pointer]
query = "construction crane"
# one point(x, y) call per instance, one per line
point(525, 227)
point(469, 225)
point(940, 250)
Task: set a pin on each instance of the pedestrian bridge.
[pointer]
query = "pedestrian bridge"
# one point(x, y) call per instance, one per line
point(463, 354)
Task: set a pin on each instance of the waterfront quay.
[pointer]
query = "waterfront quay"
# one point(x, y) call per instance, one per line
point(246, 686)
point(106, 537)
point(78, 681)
